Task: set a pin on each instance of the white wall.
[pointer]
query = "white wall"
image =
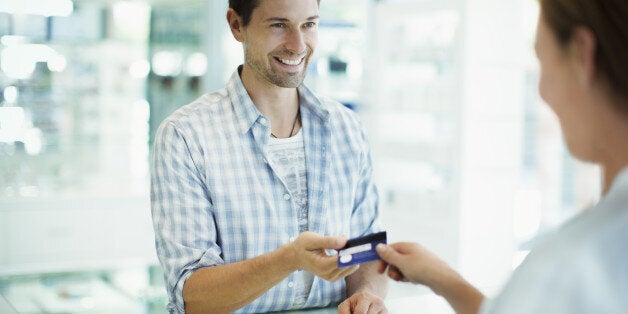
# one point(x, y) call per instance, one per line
point(491, 137)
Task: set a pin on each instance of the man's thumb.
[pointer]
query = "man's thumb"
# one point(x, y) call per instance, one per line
point(335, 243)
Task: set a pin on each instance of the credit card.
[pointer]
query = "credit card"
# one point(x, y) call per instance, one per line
point(360, 250)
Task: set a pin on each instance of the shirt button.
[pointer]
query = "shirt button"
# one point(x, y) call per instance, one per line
point(290, 284)
point(292, 239)
point(286, 196)
point(263, 121)
point(264, 160)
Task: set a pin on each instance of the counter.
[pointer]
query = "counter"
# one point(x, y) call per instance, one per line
point(425, 304)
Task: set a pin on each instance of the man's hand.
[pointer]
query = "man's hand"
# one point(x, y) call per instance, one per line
point(308, 253)
point(362, 303)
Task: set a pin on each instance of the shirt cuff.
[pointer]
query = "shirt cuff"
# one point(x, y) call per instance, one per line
point(209, 259)
point(178, 291)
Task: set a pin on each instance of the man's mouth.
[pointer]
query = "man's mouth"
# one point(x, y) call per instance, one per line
point(290, 61)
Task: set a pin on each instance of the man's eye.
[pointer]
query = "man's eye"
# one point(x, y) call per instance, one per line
point(278, 25)
point(310, 24)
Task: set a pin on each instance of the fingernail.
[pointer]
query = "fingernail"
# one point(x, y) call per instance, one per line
point(381, 247)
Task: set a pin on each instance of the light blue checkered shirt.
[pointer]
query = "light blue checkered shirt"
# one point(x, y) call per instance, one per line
point(217, 200)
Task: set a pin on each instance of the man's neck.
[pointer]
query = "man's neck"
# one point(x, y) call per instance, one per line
point(279, 104)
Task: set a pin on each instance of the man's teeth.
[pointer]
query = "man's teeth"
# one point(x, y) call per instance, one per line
point(290, 62)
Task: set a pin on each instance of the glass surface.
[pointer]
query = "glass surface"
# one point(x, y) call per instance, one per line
point(76, 234)
point(74, 141)
point(133, 290)
point(74, 118)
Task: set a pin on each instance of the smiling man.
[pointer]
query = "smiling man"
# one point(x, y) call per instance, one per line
point(253, 185)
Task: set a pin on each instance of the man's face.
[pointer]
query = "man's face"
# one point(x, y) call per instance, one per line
point(280, 39)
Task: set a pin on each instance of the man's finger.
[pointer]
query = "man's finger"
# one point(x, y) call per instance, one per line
point(328, 242)
point(344, 307)
point(376, 308)
point(344, 272)
point(362, 307)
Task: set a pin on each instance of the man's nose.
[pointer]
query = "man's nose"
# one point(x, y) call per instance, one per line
point(295, 41)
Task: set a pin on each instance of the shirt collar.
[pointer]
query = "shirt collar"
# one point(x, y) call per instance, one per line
point(246, 112)
point(309, 101)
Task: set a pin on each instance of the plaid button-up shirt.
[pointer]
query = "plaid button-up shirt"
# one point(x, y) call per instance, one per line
point(216, 198)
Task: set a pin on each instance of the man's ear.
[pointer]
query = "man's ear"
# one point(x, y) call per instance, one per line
point(235, 24)
point(584, 45)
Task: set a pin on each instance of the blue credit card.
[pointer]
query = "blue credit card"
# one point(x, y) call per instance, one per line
point(360, 250)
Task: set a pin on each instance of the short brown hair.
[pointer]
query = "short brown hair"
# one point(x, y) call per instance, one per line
point(608, 20)
point(245, 8)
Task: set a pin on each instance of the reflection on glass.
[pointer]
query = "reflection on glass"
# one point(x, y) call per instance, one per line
point(69, 114)
point(17, 132)
point(74, 146)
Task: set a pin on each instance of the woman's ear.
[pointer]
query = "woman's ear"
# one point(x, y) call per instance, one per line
point(584, 45)
point(235, 24)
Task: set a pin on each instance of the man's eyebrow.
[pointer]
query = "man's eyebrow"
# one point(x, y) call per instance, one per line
point(283, 19)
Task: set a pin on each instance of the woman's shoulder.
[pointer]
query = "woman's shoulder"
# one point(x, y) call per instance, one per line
point(576, 269)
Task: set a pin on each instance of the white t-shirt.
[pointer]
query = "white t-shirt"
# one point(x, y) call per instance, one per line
point(288, 160)
point(581, 268)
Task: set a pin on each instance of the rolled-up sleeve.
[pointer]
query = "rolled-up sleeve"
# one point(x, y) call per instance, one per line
point(185, 230)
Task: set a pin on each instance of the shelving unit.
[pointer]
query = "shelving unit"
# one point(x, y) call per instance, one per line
point(76, 211)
